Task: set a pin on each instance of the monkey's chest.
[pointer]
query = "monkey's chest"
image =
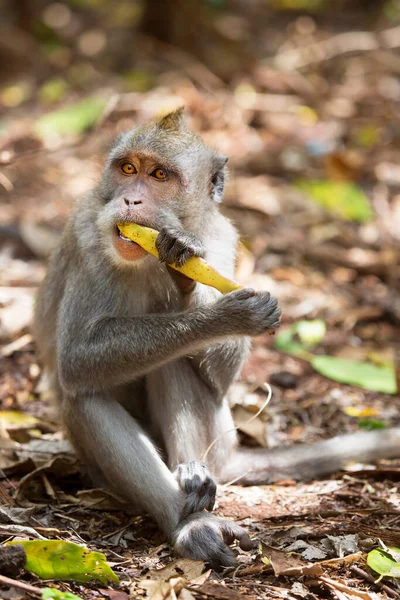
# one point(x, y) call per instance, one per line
point(161, 296)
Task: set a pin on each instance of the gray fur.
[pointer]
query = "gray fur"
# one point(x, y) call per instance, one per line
point(140, 368)
point(140, 362)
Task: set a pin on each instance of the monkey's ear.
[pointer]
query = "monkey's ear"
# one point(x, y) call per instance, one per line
point(218, 178)
point(173, 121)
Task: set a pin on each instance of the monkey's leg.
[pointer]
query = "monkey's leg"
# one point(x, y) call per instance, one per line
point(111, 441)
point(190, 415)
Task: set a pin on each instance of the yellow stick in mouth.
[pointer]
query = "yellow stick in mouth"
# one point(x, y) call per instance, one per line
point(196, 268)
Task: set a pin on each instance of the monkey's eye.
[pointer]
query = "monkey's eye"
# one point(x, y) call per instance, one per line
point(128, 169)
point(159, 174)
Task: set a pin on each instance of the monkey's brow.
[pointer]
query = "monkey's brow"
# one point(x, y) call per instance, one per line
point(159, 161)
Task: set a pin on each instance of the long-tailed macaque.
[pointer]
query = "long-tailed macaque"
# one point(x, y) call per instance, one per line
point(141, 358)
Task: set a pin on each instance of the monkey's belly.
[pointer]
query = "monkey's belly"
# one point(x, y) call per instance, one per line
point(127, 249)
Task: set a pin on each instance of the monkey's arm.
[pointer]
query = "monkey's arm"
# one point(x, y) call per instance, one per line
point(100, 352)
point(218, 364)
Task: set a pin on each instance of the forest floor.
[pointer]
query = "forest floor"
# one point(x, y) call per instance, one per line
point(332, 116)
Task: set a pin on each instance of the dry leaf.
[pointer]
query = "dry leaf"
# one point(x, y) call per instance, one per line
point(255, 429)
point(163, 590)
point(186, 595)
point(220, 592)
point(343, 591)
point(183, 567)
point(98, 498)
point(114, 594)
point(283, 564)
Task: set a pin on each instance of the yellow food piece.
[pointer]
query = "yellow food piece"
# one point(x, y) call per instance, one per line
point(196, 268)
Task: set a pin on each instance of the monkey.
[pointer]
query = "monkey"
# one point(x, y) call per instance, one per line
point(141, 358)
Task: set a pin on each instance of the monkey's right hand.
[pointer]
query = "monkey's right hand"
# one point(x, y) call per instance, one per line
point(248, 312)
point(175, 246)
point(203, 536)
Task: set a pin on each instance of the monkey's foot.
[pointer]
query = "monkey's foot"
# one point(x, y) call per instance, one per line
point(199, 486)
point(202, 536)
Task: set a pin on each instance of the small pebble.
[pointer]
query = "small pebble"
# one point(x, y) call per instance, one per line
point(284, 379)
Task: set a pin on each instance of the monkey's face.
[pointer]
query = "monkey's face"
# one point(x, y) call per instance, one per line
point(158, 175)
point(143, 189)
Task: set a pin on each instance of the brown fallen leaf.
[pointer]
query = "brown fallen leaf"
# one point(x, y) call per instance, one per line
point(185, 594)
point(114, 594)
point(284, 564)
point(182, 567)
point(337, 563)
point(61, 466)
point(343, 591)
point(98, 498)
point(255, 428)
point(220, 592)
point(156, 589)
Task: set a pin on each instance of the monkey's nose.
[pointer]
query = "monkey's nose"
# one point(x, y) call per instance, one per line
point(134, 202)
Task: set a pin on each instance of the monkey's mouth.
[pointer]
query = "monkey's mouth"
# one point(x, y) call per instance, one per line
point(120, 235)
point(127, 249)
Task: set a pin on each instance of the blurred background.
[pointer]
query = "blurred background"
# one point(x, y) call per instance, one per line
point(303, 96)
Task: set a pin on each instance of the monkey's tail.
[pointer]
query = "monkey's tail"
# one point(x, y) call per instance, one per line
point(257, 466)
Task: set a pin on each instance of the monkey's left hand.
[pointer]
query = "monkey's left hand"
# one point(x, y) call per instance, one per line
point(176, 246)
point(199, 486)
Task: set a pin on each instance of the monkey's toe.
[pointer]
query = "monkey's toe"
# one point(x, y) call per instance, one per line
point(200, 487)
point(206, 537)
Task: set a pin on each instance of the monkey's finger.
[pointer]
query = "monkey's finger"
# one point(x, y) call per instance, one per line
point(206, 499)
point(184, 256)
point(243, 294)
point(211, 501)
point(164, 243)
point(220, 555)
point(208, 491)
point(196, 502)
point(192, 505)
point(246, 543)
point(231, 531)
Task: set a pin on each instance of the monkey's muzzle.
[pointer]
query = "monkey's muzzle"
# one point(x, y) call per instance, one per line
point(127, 249)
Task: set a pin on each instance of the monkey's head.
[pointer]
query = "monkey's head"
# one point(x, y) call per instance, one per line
point(160, 174)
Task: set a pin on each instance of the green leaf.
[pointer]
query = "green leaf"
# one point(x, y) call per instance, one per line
point(138, 81)
point(54, 559)
point(343, 199)
point(353, 372)
point(15, 419)
point(301, 337)
point(311, 333)
point(76, 118)
point(53, 90)
point(384, 564)
point(58, 595)
point(371, 424)
point(308, 5)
